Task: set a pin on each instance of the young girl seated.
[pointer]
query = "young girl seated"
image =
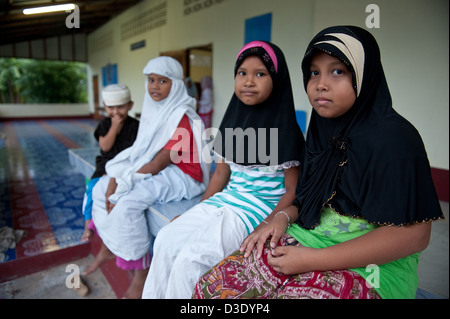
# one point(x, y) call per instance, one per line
point(365, 198)
point(243, 191)
point(158, 168)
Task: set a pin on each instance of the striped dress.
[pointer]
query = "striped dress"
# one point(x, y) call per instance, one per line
point(189, 246)
point(252, 193)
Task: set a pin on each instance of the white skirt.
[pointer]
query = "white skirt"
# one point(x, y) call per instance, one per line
point(188, 247)
point(124, 231)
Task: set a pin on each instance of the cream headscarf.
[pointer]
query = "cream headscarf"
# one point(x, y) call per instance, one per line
point(158, 123)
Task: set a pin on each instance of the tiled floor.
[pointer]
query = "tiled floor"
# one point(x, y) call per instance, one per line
point(41, 193)
point(50, 284)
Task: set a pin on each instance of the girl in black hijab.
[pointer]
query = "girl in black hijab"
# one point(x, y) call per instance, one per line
point(255, 176)
point(364, 199)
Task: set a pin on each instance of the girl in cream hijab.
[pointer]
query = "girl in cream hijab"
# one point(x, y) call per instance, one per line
point(163, 165)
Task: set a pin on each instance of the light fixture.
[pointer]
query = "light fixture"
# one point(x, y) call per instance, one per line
point(56, 8)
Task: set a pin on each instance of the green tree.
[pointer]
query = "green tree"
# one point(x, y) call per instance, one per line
point(9, 81)
point(41, 81)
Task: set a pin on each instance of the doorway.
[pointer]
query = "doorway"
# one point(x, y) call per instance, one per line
point(196, 62)
point(197, 68)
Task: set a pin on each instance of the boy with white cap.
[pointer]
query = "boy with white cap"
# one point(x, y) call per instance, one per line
point(114, 134)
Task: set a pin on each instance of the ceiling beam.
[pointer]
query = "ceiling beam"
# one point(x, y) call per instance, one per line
point(17, 27)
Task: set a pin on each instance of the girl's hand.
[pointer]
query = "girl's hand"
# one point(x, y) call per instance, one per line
point(109, 206)
point(290, 260)
point(109, 191)
point(275, 229)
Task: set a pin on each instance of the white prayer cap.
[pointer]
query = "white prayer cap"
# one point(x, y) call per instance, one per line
point(116, 94)
point(165, 66)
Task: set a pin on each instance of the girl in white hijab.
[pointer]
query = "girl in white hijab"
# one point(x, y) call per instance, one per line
point(146, 173)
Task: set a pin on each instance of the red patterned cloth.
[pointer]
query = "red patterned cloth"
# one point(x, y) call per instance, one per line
point(239, 277)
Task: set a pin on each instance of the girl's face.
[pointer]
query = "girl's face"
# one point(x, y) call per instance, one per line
point(330, 87)
point(158, 87)
point(253, 83)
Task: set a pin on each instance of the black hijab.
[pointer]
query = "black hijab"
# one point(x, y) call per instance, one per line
point(277, 112)
point(370, 162)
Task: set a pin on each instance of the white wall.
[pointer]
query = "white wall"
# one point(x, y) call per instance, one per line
point(43, 110)
point(214, 25)
point(413, 37)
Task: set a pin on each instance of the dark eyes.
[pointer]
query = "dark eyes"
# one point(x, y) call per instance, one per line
point(153, 81)
point(118, 107)
point(335, 72)
point(259, 74)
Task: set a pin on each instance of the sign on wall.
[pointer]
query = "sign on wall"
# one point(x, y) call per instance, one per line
point(258, 28)
point(109, 74)
point(194, 6)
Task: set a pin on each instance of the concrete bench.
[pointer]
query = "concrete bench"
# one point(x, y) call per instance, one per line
point(83, 160)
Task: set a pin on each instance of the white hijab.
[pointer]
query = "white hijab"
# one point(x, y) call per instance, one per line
point(158, 123)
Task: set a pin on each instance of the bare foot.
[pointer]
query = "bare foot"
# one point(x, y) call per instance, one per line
point(137, 285)
point(103, 256)
point(81, 289)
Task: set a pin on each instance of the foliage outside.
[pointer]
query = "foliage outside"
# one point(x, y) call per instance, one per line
point(41, 81)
